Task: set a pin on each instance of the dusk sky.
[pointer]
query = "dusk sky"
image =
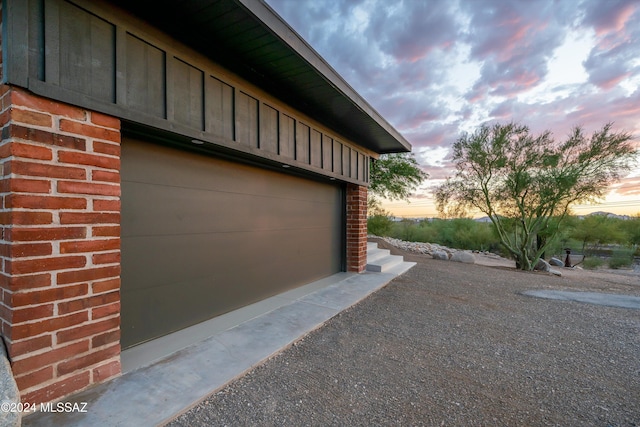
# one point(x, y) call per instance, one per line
point(437, 68)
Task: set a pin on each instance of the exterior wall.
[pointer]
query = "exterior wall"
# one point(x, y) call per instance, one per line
point(60, 223)
point(124, 67)
point(356, 228)
point(60, 247)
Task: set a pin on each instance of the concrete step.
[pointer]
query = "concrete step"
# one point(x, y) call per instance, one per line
point(379, 260)
point(376, 254)
point(385, 263)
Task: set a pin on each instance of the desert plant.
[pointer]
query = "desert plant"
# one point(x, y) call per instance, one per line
point(527, 184)
point(379, 225)
point(622, 257)
point(591, 263)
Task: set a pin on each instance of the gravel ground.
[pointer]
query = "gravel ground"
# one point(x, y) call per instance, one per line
point(450, 344)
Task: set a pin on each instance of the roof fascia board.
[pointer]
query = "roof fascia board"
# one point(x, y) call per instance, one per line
point(291, 38)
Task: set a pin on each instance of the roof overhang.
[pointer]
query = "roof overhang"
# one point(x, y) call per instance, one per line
point(252, 40)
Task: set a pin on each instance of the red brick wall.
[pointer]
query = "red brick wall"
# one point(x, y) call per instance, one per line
point(60, 246)
point(356, 228)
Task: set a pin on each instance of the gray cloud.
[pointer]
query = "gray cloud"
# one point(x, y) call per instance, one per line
point(410, 30)
point(401, 57)
point(617, 28)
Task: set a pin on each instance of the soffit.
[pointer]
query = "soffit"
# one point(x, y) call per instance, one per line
point(250, 39)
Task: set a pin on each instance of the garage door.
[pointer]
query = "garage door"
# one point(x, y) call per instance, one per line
point(202, 236)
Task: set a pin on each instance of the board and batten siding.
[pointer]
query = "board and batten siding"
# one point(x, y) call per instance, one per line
point(85, 54)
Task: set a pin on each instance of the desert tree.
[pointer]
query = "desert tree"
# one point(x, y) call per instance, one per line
point(526, 184)
point(393, 177)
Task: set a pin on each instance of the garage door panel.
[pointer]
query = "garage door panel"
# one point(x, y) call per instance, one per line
point(190, 253)
point(197, 211)
point(208, 283)
point(184, 169)
point(192, 256)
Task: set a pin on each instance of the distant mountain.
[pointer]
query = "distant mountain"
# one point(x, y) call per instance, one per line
point(483, 219)
point(609, 215)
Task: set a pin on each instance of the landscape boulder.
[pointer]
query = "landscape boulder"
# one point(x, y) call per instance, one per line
point(442, 255)
point(542, 265)
point(556, 262)
point(462, 256)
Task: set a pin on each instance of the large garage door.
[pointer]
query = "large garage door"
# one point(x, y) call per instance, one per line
point(202, 236)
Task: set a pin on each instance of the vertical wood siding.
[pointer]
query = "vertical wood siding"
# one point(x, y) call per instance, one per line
point(188, 89)
point(287, 137)
point(302, 143)
point(145, 77)
point(269, 129)
point(316, 148)
point(83, 67)
point(112, 66)
point(219, 109)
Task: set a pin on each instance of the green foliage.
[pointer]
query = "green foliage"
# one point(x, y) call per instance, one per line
point(631, 229)
point(622, 257)
point(392, 176)
point(598, 230)
point(526, 184)
point(379, 220)
point(464, 233)
point(592, 263)
point(395, 176)
point(379, 225)
point(459, 233)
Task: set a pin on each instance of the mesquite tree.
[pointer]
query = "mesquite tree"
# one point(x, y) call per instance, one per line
point(395, 176)
point(527, 184)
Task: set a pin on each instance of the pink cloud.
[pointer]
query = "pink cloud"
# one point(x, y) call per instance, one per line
point(611, 16)
point(627, 187)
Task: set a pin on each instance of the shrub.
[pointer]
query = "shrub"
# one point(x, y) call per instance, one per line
point(380, 225)
point(454, 233)
point(622, 257)
point(592, 263)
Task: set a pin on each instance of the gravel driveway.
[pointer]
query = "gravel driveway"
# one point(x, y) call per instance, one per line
point(454, 345)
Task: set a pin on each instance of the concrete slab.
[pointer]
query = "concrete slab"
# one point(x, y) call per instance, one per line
point(611, 300)
point(227, 348)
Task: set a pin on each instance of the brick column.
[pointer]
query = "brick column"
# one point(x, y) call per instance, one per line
point(60, 247)
point(356, 228)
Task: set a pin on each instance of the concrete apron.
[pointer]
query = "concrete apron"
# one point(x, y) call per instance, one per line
point(611, 300)
point(234, 343)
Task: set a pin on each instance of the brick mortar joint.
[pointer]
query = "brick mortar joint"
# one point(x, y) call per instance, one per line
point(88, 114)
point(89, 149)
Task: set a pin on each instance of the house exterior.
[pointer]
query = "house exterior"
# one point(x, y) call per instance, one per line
point(162, 164)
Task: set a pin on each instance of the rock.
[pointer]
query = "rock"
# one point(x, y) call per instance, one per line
point(9, 393)
point(542, 265)
point(555, 272)
point(556, 262)
point(436, 251)
point(442, 255)
point(465, 257)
